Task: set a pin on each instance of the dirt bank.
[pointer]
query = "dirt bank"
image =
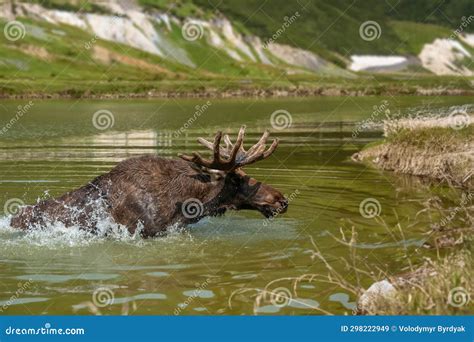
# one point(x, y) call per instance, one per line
point(439, 149)
point(439, 153)
point(238, 93)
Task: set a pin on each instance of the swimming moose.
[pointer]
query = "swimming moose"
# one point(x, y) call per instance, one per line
point(155, 193)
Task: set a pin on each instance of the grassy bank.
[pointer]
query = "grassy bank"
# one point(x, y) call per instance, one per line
point(439, 150)
point(110, 87)
point(443, 286)
point(442, 153)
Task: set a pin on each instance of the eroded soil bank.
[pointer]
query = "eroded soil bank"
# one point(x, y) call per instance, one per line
point(439, 150)
point(260, 92)
point(441, 153)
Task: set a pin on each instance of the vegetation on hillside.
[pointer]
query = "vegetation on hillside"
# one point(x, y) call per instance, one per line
point(65, 60)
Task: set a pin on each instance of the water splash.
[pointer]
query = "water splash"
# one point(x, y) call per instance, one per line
point(56, 234)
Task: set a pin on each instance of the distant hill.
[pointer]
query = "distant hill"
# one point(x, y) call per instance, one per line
point(80, 47)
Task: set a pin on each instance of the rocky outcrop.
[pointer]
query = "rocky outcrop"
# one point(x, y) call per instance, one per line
point(130, 25)
point(443, 57)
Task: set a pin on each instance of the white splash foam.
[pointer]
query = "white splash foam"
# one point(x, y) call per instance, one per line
point(57, 235)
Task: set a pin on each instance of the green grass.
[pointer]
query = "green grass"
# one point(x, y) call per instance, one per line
point(433, 295)
point(72, 69)
point(73, 6)
point(414, 35)
point(179, 8)
point(437, 139)
point(444, 13)
point(323, 26)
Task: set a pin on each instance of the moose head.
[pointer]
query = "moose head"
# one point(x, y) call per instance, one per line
point(240, 191)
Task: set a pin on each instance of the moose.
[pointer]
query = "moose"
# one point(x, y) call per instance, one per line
point(151, 193)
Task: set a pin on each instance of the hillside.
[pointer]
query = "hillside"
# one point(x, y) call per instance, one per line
point(79, 48)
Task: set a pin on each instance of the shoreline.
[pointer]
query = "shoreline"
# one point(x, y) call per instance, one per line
point(243, 93)
point(431, 155)
point(442, 155)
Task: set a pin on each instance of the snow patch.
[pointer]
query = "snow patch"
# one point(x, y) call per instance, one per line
point(365, 62)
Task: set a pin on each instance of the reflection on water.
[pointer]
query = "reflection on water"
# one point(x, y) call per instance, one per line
point(56, 148)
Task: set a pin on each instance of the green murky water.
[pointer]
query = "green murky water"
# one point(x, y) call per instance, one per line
point(219, 265)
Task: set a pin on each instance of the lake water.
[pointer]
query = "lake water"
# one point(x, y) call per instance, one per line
point(219, 265)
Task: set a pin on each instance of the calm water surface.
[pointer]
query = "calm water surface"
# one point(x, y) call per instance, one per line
point(218, 265)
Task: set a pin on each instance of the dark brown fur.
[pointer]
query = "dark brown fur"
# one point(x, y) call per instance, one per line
point(150, 190)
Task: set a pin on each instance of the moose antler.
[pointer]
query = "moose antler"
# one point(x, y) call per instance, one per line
point(232, 156)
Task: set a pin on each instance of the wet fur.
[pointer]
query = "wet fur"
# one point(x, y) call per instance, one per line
point(146, 190)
